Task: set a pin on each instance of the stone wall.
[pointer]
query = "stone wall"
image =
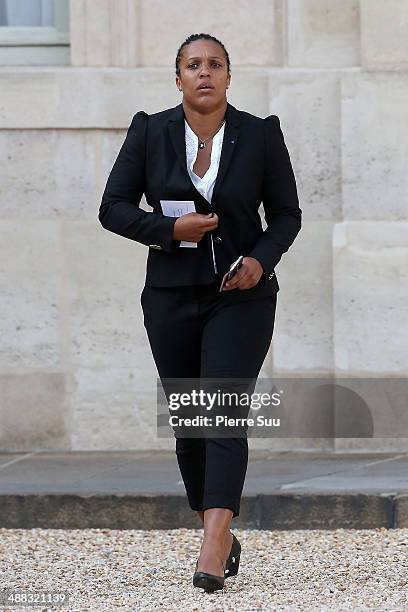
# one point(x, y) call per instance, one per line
point(76, 369)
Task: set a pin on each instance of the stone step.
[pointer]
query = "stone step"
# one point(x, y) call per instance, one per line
point(143, 490)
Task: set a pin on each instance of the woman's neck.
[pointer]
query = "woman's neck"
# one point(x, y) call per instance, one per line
point(205, 124)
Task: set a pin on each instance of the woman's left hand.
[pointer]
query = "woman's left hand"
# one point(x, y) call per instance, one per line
point(247, 276)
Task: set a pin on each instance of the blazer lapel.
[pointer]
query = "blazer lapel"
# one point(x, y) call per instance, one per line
point(176, 131)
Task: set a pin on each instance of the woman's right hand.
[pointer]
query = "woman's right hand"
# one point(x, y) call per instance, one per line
point(193, 226)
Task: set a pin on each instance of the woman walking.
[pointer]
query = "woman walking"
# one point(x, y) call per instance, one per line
point(226, 162)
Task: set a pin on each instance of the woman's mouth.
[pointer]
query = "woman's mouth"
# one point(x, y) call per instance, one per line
point(205, 87)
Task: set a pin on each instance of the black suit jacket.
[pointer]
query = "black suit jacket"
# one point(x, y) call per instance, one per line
point(254, 167)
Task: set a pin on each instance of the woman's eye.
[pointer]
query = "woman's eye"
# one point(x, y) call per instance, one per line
point(214, 64)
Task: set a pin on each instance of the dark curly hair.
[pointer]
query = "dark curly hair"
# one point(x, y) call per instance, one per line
point(200, 36)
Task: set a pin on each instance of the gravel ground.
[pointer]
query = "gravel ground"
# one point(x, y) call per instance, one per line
point(105, 569)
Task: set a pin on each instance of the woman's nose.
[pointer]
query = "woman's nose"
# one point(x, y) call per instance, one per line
point(204, 70)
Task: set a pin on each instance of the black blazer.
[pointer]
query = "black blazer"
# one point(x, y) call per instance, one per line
point(254, 167)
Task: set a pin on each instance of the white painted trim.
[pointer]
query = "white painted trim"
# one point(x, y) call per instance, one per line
point(32, 36)
point(61, 15)
point(36, 55)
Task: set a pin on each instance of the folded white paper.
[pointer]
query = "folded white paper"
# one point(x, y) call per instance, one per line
point(178, 208)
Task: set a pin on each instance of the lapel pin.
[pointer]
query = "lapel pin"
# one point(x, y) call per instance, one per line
point(232, 141)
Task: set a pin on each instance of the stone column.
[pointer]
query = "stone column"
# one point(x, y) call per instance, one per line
point(104, 32)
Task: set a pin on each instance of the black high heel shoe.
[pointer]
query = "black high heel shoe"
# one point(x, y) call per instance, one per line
point(208, 582)
point(232, 563)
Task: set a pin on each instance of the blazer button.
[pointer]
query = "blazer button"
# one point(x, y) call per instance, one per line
point(218, 240)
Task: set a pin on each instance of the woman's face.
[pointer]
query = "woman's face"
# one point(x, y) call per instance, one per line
point(203, 61)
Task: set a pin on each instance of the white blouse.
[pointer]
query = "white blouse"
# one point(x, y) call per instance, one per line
point(204, 185)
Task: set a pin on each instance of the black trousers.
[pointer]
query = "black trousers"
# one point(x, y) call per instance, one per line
point(194, 333)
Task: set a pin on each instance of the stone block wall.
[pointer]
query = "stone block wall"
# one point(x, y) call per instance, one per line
point(75, 366)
